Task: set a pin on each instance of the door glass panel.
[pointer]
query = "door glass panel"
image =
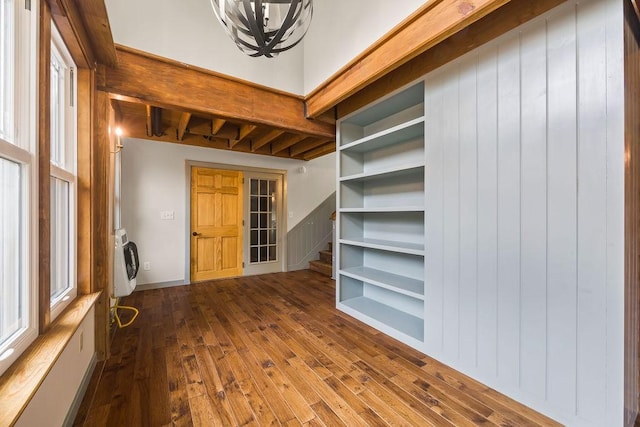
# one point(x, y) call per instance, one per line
point(264, 223)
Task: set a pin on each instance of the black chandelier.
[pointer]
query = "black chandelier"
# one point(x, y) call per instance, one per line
point(264, 27)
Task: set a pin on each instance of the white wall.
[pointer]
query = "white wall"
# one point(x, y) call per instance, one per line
point(189, 31)
point(341, 30)
point(153, 180)
point(55, 397)
point(525, 199)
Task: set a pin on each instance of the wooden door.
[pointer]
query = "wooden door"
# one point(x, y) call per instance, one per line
point(216, 224)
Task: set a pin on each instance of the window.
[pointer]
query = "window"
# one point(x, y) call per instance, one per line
point(18, 203)
point(63, 175)
point(7, 58)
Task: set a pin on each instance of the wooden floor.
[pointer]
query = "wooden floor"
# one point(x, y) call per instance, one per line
point(273, 350)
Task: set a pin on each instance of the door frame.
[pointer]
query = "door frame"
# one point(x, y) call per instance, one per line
point(248, 169)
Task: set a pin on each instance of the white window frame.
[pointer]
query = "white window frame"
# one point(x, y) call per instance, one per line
point(22, 150)
point(66, 168)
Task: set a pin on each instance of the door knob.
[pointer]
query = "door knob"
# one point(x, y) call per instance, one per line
point(195, 233)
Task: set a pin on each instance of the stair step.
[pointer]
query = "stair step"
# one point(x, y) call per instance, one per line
point(326, 256)
point(330, 246)
point(321, 267)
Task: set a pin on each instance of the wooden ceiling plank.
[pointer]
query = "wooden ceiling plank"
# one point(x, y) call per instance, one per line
point(265, 139)
point(283, 144)
point(320, 151)
point(173, 85)
point(306, 145)
point(216, 125)
point(434, 22)
point(182, 125)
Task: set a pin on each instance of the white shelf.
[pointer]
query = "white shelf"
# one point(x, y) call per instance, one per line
point(401, 284)
point(406, 323)
point(380, 247)
point(383, 209)
point(402, 132)
point(407, 169)
point(385, 245)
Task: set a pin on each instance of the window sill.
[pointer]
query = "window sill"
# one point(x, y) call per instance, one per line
point(21, 381)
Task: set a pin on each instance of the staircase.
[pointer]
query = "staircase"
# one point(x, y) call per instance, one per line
point(325, 264)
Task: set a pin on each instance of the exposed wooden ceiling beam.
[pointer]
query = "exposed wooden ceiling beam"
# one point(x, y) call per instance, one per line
point(245, 132)
point(305, 146)
point(265, 139)
point(504, 19)
point(96, 20)
point(182, 125)
point(135, 129)
point(320, 151)
point(216, 125)
point(205, 127)
point(67, 17)
point(283, 143)
point(118, 115)
point(434, 22)
point(149, 126)
point(159, 81)
point(200, 126)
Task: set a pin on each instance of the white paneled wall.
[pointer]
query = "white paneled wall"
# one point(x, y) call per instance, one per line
point(524, 213)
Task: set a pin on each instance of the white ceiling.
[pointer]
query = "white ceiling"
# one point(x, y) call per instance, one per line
point(188, 31)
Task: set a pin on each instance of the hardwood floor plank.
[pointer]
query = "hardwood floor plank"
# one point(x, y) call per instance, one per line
point(158, 405)
point(258, 404)
point(230, 381)
point(178, 396)
point(336, 403)
point(213, 385)
point(273, 350)
point(203, 412)
point(327, 416)
point(433, 416)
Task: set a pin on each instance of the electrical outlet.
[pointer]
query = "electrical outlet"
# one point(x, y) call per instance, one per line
point(290, 214)
point(146, 266)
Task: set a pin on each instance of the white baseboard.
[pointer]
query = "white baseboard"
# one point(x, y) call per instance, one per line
point(160, 285)
point(77, 400)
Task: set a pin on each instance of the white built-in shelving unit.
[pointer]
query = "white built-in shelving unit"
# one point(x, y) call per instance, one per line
point(380, 221)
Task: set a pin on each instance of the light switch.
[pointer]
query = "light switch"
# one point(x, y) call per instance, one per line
point(166, 214)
